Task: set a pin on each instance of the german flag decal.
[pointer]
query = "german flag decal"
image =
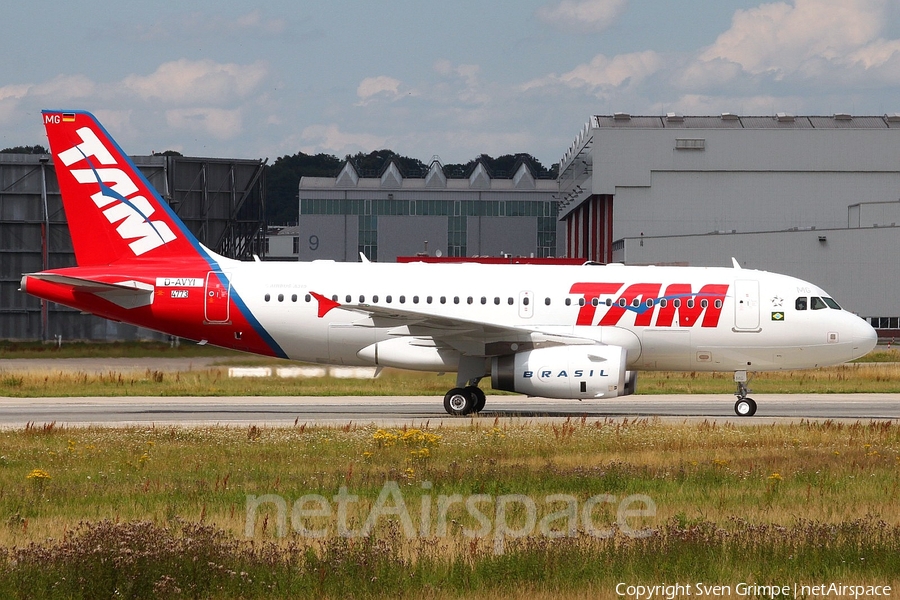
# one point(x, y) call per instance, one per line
point(778, 316)
point(68, 117)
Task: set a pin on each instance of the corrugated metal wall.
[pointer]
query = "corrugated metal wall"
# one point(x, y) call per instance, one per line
point(221, 201)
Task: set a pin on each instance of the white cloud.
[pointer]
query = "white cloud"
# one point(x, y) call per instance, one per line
point(220, 123)
point(461, 83)
point(65, 87)
point(381, 86)
point(586, 16)
point(201, 81)
point(329, 138)
point(825, 40)
point(603, 75)
point(14, 91)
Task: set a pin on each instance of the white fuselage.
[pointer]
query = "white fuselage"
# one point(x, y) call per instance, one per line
point(745, 320)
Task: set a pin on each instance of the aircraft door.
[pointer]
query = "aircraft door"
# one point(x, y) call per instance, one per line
point(526, 305)
point(217, 304)
point(746, 305)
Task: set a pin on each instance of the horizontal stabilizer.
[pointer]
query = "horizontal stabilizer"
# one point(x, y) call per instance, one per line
point(127, 294)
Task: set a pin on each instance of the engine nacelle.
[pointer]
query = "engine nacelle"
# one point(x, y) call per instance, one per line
point(565, 372)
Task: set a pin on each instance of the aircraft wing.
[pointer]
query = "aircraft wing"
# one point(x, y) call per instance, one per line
point(474, 338)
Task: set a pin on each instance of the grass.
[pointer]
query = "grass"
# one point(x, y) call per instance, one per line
point(162, 512)
point(850, 378)
point(80, 349)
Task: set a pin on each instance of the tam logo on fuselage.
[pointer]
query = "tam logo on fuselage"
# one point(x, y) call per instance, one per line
point(679, 306)
point(117, 197)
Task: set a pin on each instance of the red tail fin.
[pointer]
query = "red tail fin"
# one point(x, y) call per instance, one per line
point(113, 212)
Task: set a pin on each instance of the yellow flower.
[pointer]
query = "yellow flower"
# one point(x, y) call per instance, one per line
point(38, 474)
point(775, 477)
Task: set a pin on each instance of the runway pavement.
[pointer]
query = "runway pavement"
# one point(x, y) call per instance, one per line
point(416, 410)
point(395, 410)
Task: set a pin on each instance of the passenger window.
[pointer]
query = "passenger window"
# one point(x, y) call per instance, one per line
point(334, 298)
point(635, 303)
point(402, 299)
point(308, 298)
point(609, 301)
point(800, 304)
point(510, 301)
point(388, 299)
point(718, 304)
point(428, 300)
point(676, 302)
point(375, 299)
point(690, 303)
point(349, 299)
point(497, 300)
point(443, 299)
point(568, 302)
point(483, 300)
point(415, 299)
point(704, 303)
point(595, 301)
point(622, 302)
point(455, 299)
point(525, 300)
point(469, 300)
point(281, 297)
point(293, 297)
point(268, 297)
point(817, 303)
point(362, 299)
point(650, 303)
point(581, 302)
point(663, 303)
point(547, 301)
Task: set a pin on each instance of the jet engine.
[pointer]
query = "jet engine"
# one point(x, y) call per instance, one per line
point(565, 372)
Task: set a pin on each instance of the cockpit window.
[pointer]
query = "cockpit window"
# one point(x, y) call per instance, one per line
point(800, 304)
point(831, 303)
point(817, 303)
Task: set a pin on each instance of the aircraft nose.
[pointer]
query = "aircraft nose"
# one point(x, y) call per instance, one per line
point(864, 337)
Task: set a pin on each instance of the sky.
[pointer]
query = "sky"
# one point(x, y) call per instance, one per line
point(425, 78)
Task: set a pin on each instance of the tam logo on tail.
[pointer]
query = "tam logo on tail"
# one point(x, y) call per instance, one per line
point(114, 213)
point(118, 194)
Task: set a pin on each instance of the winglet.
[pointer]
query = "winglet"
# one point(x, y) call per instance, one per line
point(735, 263)
point(363, 258)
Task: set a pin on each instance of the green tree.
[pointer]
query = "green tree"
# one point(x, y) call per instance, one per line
point(25, 150)
point(283, 182)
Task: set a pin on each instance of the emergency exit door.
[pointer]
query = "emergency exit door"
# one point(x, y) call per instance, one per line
point(217, 297)
point(746, 305)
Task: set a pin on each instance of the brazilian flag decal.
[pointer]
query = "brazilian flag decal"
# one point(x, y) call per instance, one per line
point(778, 316)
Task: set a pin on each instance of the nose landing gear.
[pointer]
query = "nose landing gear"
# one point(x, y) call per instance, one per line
point(744, 407)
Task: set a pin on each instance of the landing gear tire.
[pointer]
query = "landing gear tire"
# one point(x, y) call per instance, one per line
point(459, 401)
point(745, 407)
point(478, 397)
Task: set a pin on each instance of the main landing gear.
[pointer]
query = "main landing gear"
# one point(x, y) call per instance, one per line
point(744, 407)
point(464, 400)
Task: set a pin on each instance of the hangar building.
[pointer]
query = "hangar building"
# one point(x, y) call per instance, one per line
point(390, 214)
point(221, 201)
point(816, 197)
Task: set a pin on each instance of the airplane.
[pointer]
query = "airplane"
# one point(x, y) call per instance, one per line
point(567, 332)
